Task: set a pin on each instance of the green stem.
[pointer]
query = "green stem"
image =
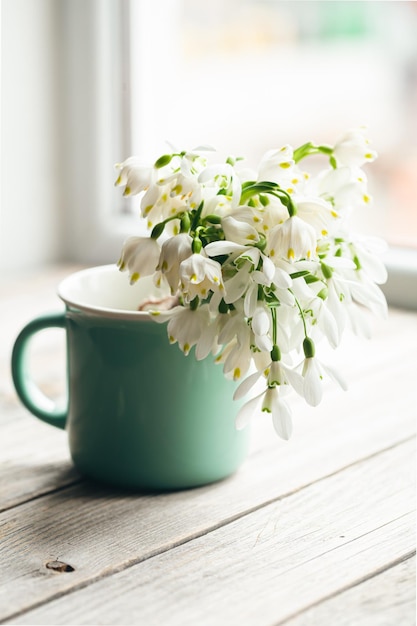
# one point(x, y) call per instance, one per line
point(301, 313)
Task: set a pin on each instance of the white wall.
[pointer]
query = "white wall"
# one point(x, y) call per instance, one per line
point(30, 218)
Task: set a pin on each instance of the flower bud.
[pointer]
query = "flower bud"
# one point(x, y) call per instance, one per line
point(163, 160)
point(309, 348)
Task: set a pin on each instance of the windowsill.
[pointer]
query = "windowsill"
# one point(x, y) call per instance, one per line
point(401, 286)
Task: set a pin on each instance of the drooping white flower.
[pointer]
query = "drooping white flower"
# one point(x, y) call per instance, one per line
point(280, 412)
point(140, 256)
point(173, 251)
point(353, 149)
point(275, 163)
point(346, 189)
point(225, 179)
point(268, 401)
point(199, 275)
point(239, 231)
point(261, 326)
point(185, 326)
point(293, 240)
point(314, 372)
point(133, 176)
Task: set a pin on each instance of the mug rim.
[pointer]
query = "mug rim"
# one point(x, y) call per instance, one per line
point(92, 309)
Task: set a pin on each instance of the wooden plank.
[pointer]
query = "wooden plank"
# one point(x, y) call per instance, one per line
point(34, 457)
point(383, 600)
point(259, 569)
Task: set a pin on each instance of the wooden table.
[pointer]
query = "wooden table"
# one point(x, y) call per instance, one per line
point(315, 531)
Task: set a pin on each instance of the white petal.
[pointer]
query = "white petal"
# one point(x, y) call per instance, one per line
point(261, 322)
point(251, 299)
point(281, 419)
point(313, 390)
point(335, 376)
point(246, 385)
point(217, 248)
point(247, 411)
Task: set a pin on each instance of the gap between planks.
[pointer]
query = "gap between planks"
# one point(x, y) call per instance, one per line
point(311, 614)
point(130, 563)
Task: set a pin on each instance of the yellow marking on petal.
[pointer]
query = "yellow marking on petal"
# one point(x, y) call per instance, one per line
point(192, 205)
point(290, 253)
point(272, 253)
point(236, 373)
point(218, 359)
point(295, 181)
point(360, 179)
point(256, 219)
point(193, 278)
point(177, 189)
point(283, 149)
point(251, 237)
point(171, 339)
point(324, 233)
point(155, 313)
point(266, 371)
point(176, 230)
point(164, 197)
point(122, 265)
point(366, 198)
point(334, 213)
point(134, 278)
point(369, 155)
point(186, 348)
point(290, 190)
point(285, 165)
point(164, 266)
point(127, 191)
point(308, 254)
point(203, 292)
point(306, 175)
point(118, 181)
point(216, 279)
point(147, 209)
point(149, 224)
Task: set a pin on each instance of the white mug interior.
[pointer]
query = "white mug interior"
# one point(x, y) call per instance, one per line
point(107, 292)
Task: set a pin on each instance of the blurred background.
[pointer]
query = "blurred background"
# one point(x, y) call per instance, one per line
point(86, 83)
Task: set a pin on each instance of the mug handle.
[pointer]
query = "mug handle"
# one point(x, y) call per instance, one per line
point(27, 390)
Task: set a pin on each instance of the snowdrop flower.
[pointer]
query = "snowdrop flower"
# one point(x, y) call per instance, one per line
point(274, 163)
point(199, 275)
point(174, 250)
point(293, 240)
point(186, 326)
point(353, 149)
point(314, 372)
point(269, 401)
point(140, 255)
point(261, 326)
point(239, 231)
point(133, 176)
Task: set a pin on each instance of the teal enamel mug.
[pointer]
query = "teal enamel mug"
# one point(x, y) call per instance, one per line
point(139, 413)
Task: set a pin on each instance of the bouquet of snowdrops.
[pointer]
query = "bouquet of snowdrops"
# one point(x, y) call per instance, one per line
point(259, 264)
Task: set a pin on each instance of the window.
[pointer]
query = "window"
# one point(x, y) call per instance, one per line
point(243, 75)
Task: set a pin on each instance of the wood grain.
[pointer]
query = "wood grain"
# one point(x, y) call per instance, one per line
point(258, 569)
point(385, 599)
